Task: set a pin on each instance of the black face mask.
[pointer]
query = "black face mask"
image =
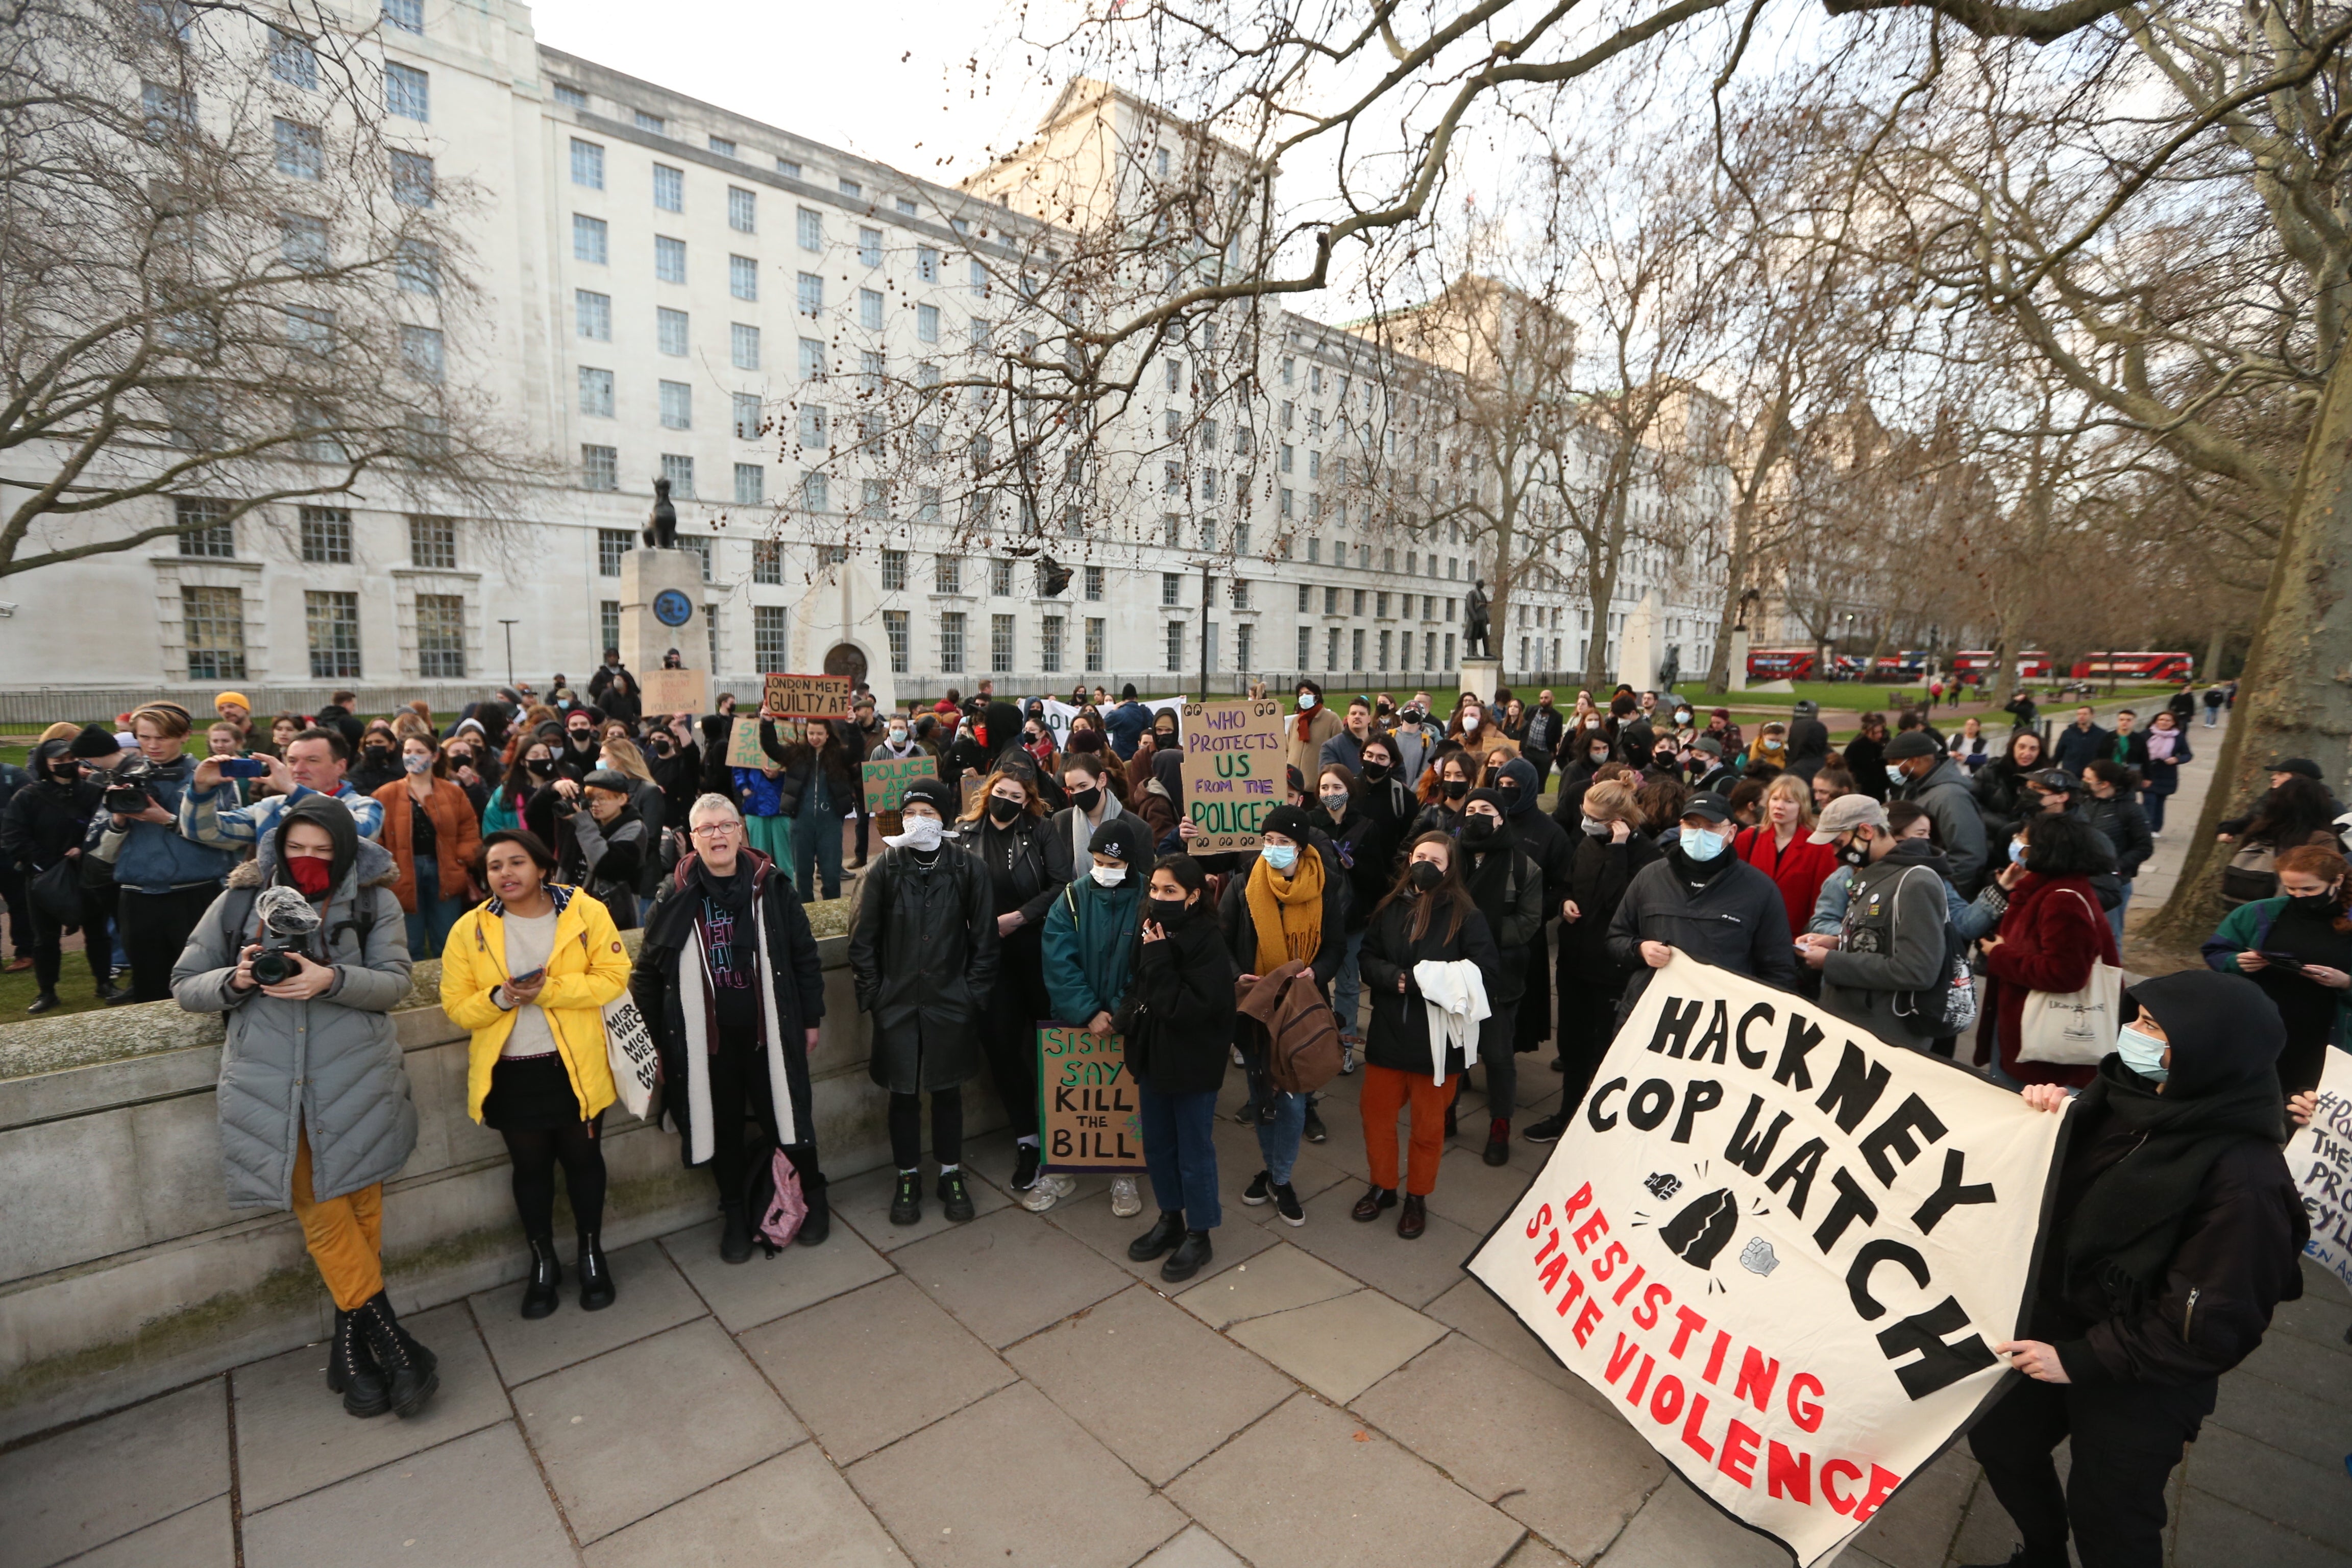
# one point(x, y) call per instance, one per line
point(540, 764)
point(1167, 912)
point(2318, 903)
point(1477, 829)
point(1164, 737)
point(1855, 854)
point(1085, 799)
point(1457, 788)
point(580, 738)
point(1376, 771)
point(377, 750)
point(1425, 875)
point(1002, 811)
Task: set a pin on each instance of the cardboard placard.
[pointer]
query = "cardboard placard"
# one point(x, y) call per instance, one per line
point(886, 781)
point(1232, 771)
point(675, 690)
point(2320, 1156)
point(743, 743)
point(1785, 1245)
point(1088, 1117)
point(806, 696)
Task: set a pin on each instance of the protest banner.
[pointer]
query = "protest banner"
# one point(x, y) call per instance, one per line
point(2320, 1155)
point(675, 690)
point(806, 696)
point(743, 743)
point(1232, 771)
point(1787, 1245)
point(886, 781)
point(1059, 713)
point(1088, 1116)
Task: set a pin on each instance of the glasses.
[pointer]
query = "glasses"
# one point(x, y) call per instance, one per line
point(714, 829)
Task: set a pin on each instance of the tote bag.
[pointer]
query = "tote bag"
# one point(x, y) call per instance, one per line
point(2074, 1028)
point(629, 1051)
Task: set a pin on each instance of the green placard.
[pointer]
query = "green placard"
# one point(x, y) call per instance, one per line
point(1088, 1117)
point(886, 781)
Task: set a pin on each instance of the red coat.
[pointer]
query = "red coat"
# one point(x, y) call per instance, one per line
point(1798, 870)
point(2053, 931)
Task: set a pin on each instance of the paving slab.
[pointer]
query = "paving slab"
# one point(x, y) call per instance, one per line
point(650, 1295)
point(1474, 1194)
point(824, 1361)
point(745, 1295)
point(1310, 1488)
point(1533, 1552)
point(2212, 1533)
point(1234, 1240)
point(1415, 1272)
point(1986, 1534)
point(1149, 1380)
point(639, 1427)
point(1678, 1528)
point(2305, 1497)
point(1196, 1548)
point(2284, 1419)
point(794, 1509)
point(200, 1537)
point(1276, 1280)
point(989, 1158)
point(63, 1495)
point(1916, 1527)
point(1568, 1471)
point(863, 1203)
point(292, 1435)
point(1472, 1308)
point(1013, 1480)
point(1009, 1274)
point(478, 1501)
point(1341, 1347)
point(2289, 1359)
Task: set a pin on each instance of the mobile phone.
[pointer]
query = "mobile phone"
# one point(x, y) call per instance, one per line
point(2279, 959)
point(241, 767)
point(527, 979)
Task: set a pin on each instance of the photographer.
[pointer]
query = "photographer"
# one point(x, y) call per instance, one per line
point(42, 826)
point(314, 763)
point(166, 880)
point(307, 953)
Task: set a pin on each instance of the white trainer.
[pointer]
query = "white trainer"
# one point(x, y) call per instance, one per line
point(1126, 1201)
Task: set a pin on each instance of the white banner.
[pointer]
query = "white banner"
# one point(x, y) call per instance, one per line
point(1059, 715)
point(1787, 1245)
point(2321, 1158)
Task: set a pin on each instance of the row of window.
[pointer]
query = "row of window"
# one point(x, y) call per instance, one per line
point(211, 624)
point(954, 648)
point(324, 534)
point(669, 182)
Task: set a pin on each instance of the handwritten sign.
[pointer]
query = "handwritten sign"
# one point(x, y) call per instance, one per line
point(743, 743)
point(675, 690)
point(886, 781)
point(806, 696)
point(2321, 1158)
point(1088, 1114)
point(1232, 771)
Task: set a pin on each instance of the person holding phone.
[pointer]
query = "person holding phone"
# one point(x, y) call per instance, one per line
point(1177, 1017)
point(315, 763)
point(2298, 948)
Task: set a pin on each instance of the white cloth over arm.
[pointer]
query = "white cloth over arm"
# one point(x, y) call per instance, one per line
point(1455, 995)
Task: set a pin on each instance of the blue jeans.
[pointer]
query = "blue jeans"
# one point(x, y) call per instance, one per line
point(2116, 915)
point(1277, 1141)
point(1180, 1155)
point(816, 848)
point(428, 928)
point(1348, 985)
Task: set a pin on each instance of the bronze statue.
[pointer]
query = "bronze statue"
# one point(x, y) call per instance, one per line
point(1474, 621)
point(661, 524)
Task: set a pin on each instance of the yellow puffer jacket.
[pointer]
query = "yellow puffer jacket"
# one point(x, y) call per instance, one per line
point(588, 969)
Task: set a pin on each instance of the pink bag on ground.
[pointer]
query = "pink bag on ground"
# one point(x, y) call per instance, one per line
point(782, 1221)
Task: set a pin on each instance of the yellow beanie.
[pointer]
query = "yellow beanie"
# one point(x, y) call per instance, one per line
point(226, 697)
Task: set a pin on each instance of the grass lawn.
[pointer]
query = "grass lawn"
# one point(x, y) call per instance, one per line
point(73, 990)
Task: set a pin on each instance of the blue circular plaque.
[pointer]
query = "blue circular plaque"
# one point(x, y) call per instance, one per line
point(672, 608)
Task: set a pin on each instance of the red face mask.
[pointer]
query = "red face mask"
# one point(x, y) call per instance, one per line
point(308, 874)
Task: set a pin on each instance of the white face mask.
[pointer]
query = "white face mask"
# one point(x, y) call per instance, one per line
point(1469, 723)
point(922, 833)
point(1895, 773)
point(1109, 876)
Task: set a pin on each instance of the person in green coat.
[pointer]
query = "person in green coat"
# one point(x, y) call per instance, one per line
point(1089, 949)
point(2298, 949)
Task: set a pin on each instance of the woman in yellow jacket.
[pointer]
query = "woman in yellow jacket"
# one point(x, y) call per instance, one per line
point(529, 973)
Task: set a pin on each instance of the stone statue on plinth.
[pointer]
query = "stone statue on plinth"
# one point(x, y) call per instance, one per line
point(1670, 672)
point(1474, 621)
point(661, 523)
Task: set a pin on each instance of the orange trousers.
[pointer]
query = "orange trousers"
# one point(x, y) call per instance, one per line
point(1387, 1091)
point(345, 1235)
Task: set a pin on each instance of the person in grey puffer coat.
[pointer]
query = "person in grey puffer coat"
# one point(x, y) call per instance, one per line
point(1939, 786)
point(315, 1109)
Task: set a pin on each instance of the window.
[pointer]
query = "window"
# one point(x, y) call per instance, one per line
point(205, 532)
point(593, 314)
point(300, 152)
point(292, 61)
point(670, 329)
point(608, 623)
point(951, 641)
point(1092, 579)
point(1282, 458)
point(676, 405)
point(1000, 579)
point(1001, 635)
point(669, 188)
point(302, 242)
point(767, 561)
point(809, 225)
point(595, 392)
point(1331, 601)
point(927, 264)
point(1172, 588)
point(816, 493)
point(611, 543)
point(742, 205)
point(589, 237)
point(1385, 638)
point(599, 469)
point(332, 622)
point(412, 179)
point(417, 266)
point(870, 309)
point(905, 207)
point(1241, 539)
point(570, 96)
point(926, 323)
point(1331, 650)
point(1243, 636)
point(1095, 629)
point(723, 147)
point(926, 504)
point(440, 636)
point(408, 93)
point(711, 625)
point(851, 188)
point(768, 635)
point(812, 425)
point(810, 292)
point(700, 545)
point(1356, 650)
point(211, 620)
point(669, 259)
point(812, 359)
point(409, 15)
point(748, 419)
point(894, 632)
point(789, 168)
point(679, 471)
point(326, 535)
point(1283, 507)
point(946, 574)
point(587, 165)
point(744, 277)
point(1175, 646)
point(869, 245)
point(420, 352)
point(169, 113)
point(751, 490)
point(873, 498)
point(743, 346)
point(1049, 645)
point(982, 330)
point(433, 543)
point(1381, 607)
point(979, 281)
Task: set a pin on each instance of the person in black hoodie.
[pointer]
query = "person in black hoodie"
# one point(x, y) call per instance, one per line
point(1611, 847)
point(1507, 882)
point(1865, 758)
point(1704, 901)
point(677, 767)
point(1362, 844)
point(1545, 840)
point(2177, 1230)
point(43, 825)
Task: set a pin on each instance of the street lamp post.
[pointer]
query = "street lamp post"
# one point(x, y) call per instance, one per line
point(509, 626)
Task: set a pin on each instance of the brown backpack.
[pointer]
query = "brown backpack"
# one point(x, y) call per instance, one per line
point(1294, 1027)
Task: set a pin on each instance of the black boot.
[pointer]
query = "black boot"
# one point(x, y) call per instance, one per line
point(596, 1290)
point(955, 1197)
point(1165, 1233)
point(46, 1002)
point(538, 1292)
point(352, 1370)
point(1192, 1254)
point(819, 1223)
point(907, 1203)
point(734, 1234)
point(409, 1369)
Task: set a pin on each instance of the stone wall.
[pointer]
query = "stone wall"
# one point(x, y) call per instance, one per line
point(124, 1272)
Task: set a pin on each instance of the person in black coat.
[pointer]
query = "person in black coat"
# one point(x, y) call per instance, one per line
point(1546, 839)
point(2176, 1232)
point(1178, 1021)
point(1702, 899)
point(1611, 849)
point(2003, 799)
point(1507, 882)
point(2109, 808)
point(1360, 845)
point(43, 826)
point(1866, 757)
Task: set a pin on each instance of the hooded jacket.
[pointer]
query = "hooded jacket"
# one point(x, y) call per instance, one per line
point(1398, 1035)
point(44, 819)
point(586, 969)
point(1507, 885)
point(1178, 1014)
point(1949, 803)
point(923, 956)
point(1722, 912)
point(330, 1067)
point(1089, 935)
point(1598, 873)
point(1891, 941)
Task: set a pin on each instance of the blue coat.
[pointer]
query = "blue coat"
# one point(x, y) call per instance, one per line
point(1089, 944)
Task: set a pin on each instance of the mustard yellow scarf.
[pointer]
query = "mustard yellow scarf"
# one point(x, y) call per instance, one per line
point(1287, 910)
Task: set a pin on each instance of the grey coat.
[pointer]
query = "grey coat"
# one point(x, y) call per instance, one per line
point(1892, 941)
point(1951, 804)
point(330, 1066)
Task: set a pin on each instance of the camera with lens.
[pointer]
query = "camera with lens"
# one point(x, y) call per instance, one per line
point(126, 786)
point(288, 920)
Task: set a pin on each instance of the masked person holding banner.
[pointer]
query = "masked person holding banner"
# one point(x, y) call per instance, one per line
point(1703, 900)
point(1088, 951)
point(2176, 1232)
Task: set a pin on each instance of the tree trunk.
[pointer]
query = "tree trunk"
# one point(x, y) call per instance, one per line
point(2215, 646)
point(2296, 695)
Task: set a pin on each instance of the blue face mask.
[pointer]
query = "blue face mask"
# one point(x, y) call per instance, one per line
point(1896, 775)
point(1281, 857)
point(1700, 846)
point(2016, 853)
point(2143, 1054)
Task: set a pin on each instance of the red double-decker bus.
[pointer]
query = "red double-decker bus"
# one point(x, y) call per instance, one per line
point(2033, 664)
point(2141, 666)
point(1782, 663)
